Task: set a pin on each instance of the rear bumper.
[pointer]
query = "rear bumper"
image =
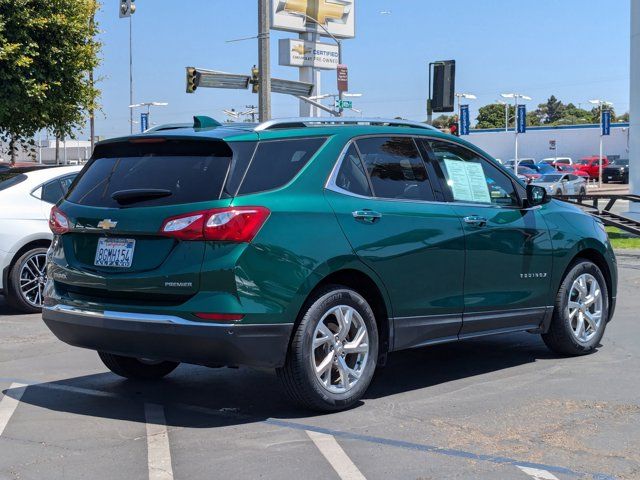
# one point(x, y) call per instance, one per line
point(164, 337)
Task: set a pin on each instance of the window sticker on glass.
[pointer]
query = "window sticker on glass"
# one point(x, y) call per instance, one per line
point(467, 181)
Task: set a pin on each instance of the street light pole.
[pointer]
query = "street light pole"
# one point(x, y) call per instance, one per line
point(601, 104)
point(460, 96)
point(131, 72)
point(515, 96)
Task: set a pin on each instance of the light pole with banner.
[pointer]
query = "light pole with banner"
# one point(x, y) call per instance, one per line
point(464, 121)
point(145, 117)
point(605, 129)
point(521, 122)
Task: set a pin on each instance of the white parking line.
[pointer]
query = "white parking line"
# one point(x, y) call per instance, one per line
point(158, 450)
point(9, 403)
point(336, 456)
point(538, 474)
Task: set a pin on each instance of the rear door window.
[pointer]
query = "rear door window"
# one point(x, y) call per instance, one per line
point(395, 168)
point(276, 162)
point(166, 173)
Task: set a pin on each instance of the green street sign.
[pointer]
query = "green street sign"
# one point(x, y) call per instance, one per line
point(344, 104)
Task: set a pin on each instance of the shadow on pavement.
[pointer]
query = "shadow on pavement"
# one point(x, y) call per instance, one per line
point(199, 397)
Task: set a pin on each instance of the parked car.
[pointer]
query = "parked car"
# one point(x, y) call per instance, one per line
point(316, 248)
point(525, 162)
point(529, 173)
point(555, 161)
point(562, 184)
point(571, 169)
point(591, 165)
point(26, 197)
point(542, 168)
point(616, 171)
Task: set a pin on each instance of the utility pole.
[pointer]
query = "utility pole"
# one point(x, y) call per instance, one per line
point(264, 60)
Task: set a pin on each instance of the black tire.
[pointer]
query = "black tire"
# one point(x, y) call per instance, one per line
point(298, 374)
point(15, 296)
point(136, 369)
point(560, 338)
point(625, 179)
point(558, 193)
point(583, 191)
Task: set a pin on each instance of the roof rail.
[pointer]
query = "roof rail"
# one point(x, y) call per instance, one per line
point(316, 122)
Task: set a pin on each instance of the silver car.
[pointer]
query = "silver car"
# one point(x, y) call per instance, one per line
point(562, 184)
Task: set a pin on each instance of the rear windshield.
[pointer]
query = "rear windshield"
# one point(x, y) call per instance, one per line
point(182, 171)
point(9, 179)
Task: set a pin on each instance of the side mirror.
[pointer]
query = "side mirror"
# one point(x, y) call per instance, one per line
point(536, 195)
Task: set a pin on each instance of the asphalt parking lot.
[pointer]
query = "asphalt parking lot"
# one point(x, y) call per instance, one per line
point(496, 408)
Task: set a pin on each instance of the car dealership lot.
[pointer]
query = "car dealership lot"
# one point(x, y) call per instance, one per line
point(499, 407)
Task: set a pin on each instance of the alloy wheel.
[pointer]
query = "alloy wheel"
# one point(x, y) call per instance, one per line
point(584, 307)
point(340, 349)
point(33, 278)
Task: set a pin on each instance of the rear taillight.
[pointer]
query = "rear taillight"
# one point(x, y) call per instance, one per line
point(58, 221)
point(239, 224)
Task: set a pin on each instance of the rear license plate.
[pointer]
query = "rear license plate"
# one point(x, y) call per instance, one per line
point(115, 252)
point(610, 177)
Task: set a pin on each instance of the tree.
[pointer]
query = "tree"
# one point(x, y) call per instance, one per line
point(492, 116)
point(623, 118)
point(550, 112)
point(47, 49)
point(443, 121)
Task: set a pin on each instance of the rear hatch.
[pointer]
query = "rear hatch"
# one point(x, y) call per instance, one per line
point(116, 251)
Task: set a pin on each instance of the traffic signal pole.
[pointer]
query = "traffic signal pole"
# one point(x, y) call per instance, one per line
point(264, 60)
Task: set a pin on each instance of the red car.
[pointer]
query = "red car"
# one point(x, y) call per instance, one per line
point(590, 166)
point(572, 170)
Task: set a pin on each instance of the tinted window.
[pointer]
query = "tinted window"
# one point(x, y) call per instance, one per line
point(187, 171)
point(351, 176)
point(9, 179)
point(52, 192)
point(395, 168)
point(472, 178)
point(276, 163)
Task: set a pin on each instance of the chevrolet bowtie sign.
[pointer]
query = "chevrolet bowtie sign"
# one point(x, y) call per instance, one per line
point(337, 16)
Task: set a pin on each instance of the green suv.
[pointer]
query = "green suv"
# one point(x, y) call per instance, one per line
point(315, 247)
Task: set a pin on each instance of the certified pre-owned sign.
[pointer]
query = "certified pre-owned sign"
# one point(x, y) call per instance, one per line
point(300, 53)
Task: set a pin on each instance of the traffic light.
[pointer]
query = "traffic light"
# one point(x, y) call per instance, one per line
point(127, 8)
point(193, 79)
point(255, 79)
point(454, 129)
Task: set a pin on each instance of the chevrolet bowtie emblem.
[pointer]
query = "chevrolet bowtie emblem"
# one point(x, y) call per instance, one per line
point(107, 224)
point(300, 49)
point(324, 11)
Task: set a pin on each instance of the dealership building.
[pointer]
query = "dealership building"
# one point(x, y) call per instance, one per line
point(575, 141)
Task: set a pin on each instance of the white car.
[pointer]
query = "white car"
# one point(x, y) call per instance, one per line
point(26, 198)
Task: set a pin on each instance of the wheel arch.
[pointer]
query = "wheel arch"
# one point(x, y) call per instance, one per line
point(596, 257)
point(373, 293)
point(34, 243)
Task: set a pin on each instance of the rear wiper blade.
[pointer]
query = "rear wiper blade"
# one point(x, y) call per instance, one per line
point(125, 197)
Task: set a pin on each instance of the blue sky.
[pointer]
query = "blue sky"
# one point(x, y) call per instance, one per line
point(574, 49)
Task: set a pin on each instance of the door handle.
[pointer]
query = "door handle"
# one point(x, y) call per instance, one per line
point(475, 221)
point(367, 216)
